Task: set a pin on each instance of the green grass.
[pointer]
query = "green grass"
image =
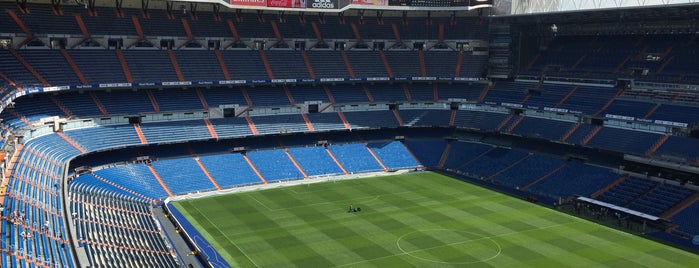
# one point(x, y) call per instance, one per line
point(419, 219)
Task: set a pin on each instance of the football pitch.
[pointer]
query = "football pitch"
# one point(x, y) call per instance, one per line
point(421, 219)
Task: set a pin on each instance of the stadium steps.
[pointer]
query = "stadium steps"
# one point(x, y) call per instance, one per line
point(19, 116)
point(385, 63)
point(665, 63)
point(139, 30)
point(344, 120)
point(71, 142)
point(561, 166)
point(400, 121)
point(412, 153)
point(609, 186)
point(445, 154)
point(330, 95)
point(610, 101)
point(440, 33)
point(316, 31)
point(621, 64)
point(268, 68)
point(368, 93)
point(159, 179)
point(153, 101)
point(251, 124)
point(254, 168)
point(332, 156)
point(348, 65)
point(570, 132)
point(210, 128)
point(222, 63)
point(651, 111)
point(277, 34)
point(139, 132)
point(204, 169)
point(10, 168)
point(657, 145)
point(234, 31)
point(515, 123)
point(591, 135)
point(307, 62)
point(29, 68)
point(452, 118)
point(355, 31)
point(293, 161)
point(188, 32)
point(124, 66)
point(244, 91)
point(423, 68)
point(60, 106)
point(566, 97)
point(175, 65)
point(202, 99)
point(525, 99)
point(485, 92)
point(9, 81)
point(580, 60)
point(309, 125)
point(83, 30)
point(373, 154)
point(74, 66)
point(459, 61)
point(20, 24)
point(508, 167)
point(408, 97)
point(435, 92)
point(504, 122)
point(642, 195)
point(681, 206)
point(289, 96)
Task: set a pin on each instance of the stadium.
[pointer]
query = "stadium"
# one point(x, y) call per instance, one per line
point(338, 133)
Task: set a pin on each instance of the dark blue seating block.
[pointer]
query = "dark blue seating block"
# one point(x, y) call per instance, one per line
point(428, 152)
point(624, 140)
point(461, 153)
point(51, 65)
point(268, 96)
point(98, 65)
point(387, 93)
point(425, 117)
point(303, 93)
point(469, 92)
point(104, 137)
point(375, 119)
point(680, 147)
point(366, 63)
point(580, 134)
point(491, 162)
point(404, 63)
point(175, 99)
point(440, 63)
point(542, 128)
point(150, 65)
point(13, 69)
point(687, 219)
point(629, 108)
point(175, 131)
point(199, 65)
point(676, 113)
point(244, 64)
point(216, 96)
point(421, 92)
point(479, 120)
point(574, 179)
point(287, 64)
point(529, 170)
point(347, 93)
point(328, 64)
point(125, 102)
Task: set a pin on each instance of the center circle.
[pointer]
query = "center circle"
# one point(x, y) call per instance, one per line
point(447, 246)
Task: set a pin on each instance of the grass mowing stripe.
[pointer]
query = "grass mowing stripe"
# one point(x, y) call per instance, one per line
point(447, 222)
